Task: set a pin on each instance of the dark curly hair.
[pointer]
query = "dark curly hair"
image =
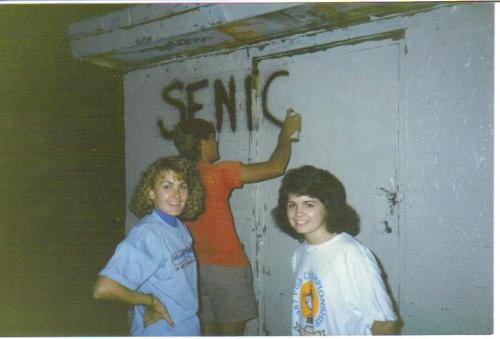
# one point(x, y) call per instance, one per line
point(187, 136)
point(141, 204)
point(320, 184)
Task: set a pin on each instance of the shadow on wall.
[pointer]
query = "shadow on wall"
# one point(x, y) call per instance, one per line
point(395, 305)
point(62, 169)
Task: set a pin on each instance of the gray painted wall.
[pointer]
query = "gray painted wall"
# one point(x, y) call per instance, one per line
point(448, 178)
point(445, 156)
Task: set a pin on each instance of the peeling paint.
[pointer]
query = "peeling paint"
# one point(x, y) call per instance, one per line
point(241, 31)
point(171, 44)
point(325, 11)
point(392, 35)
point(83, 29)
point(144, 40)
point(257, 29)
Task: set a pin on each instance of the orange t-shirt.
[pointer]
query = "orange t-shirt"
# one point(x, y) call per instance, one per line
point(215, 238)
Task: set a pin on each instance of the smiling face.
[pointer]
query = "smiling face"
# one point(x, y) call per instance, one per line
point(169, 193)
point(307, 216)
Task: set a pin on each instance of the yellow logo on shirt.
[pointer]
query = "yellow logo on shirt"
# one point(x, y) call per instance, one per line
point(309, 305)
point(309, 301)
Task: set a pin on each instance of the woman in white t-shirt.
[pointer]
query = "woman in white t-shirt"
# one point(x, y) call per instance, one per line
point(338, 288)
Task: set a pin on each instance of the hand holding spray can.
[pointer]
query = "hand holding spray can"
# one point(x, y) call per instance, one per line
point(296, 135)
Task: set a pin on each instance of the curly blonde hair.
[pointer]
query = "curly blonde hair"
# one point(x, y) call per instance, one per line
point(141, 203)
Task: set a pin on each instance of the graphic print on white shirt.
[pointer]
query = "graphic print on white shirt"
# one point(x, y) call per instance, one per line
point(338, 289)
point(309, 304)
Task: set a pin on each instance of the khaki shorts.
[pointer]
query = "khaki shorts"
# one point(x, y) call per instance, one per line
point(226, 294)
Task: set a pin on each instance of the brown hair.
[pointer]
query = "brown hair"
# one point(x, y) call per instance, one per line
point(187, 136)
point(323, 185)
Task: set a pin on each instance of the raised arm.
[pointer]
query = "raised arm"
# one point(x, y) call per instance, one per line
point(277, 163)
point(106, 288)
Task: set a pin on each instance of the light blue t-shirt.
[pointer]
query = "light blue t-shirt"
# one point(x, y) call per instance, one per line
point(157, 257)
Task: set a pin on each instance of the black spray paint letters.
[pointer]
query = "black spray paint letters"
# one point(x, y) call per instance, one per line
point(225, 96)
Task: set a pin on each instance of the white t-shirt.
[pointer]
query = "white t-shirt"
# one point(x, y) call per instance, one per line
point(338, 289)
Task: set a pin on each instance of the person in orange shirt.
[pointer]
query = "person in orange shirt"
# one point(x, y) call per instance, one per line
point(227, 299)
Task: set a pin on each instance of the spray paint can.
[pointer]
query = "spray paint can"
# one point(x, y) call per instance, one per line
point(296, 135)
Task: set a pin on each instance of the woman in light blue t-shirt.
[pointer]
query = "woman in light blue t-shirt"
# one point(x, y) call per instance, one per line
point(154, 267)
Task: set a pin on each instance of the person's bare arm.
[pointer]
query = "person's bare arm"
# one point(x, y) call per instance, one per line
point(277, 163)
point(106, 288)
point(384, 327)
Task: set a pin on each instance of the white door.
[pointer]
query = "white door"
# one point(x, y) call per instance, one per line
point(349, 97)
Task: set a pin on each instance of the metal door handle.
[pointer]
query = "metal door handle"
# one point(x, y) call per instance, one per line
point(383, 227)
point(392, 197)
